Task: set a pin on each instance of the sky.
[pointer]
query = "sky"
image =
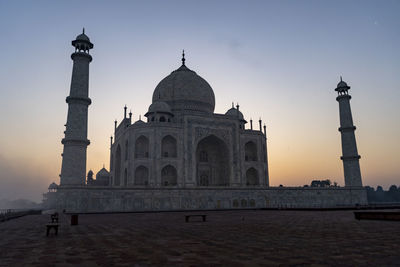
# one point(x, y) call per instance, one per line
point(280, 60)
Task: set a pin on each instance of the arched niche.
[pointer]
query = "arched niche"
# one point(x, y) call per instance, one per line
point(168, 147)
point(252, 177)
point(141, 176)
point(169, 176)
point(142, 147)
point(250, 151)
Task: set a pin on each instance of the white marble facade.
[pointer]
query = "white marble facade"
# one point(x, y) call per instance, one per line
point(184, 144)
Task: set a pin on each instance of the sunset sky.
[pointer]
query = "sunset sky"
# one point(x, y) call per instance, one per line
point(281, 60)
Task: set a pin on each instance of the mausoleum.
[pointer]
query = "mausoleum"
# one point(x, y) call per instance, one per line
point(184, 155)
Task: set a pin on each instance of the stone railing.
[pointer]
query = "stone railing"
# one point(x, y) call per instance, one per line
point(8, 214)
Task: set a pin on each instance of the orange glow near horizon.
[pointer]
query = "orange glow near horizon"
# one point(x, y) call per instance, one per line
point(281, 62)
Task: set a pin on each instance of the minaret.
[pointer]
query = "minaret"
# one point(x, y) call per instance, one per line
point(350, 158)
point(75, 142)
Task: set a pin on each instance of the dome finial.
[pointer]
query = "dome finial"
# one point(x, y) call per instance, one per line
point(341, 78)
point(183, 57)
point(83, 30)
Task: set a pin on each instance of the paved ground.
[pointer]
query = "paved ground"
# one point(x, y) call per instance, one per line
point(228, 238)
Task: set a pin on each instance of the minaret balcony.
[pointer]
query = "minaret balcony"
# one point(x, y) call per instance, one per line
point(79, 100)
point(81, 54)
point(347, 129)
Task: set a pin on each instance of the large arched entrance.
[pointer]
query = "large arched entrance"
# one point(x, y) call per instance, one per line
point(212, 162)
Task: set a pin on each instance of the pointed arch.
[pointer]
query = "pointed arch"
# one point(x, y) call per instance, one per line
point(141, 175)
point(168, 147)
point(169, 176)
point(250, 151)
point(117, 179)
point(142, 147)
point(252, 177)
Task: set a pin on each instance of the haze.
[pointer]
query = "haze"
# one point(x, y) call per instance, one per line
point(281, 60)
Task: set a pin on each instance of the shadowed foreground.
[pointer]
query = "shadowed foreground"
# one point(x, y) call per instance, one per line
point(230, 238)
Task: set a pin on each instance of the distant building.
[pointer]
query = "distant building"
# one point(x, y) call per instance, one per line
point(50, 198)
point(102, 178)
point(320, 183)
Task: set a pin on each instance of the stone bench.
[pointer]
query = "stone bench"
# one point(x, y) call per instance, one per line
point(203, 216)
point(377, 215)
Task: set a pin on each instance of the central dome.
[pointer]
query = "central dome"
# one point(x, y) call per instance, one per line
point(184, 90)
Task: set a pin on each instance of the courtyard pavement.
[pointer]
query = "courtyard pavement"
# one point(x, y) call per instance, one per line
point(227, 238)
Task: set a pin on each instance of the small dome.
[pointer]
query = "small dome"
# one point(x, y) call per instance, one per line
point(139, 122)
point(103, 172)
point(234, 113)
point(82, 37)
point(159, 106)
point(342, 84)
point(53, 185)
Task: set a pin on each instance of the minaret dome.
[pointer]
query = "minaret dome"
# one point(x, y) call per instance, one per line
point(82, 43)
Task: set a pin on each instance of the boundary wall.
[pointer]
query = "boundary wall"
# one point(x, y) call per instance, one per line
point(116, 199)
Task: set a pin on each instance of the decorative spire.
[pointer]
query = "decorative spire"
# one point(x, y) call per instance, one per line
point(125, 111)
point(140, 117)
point(341, 78)
point(130, 114)
point(233, 105)
point(183, 57)
point(83, 30)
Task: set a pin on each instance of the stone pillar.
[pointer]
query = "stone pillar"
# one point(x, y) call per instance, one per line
point(350, 157)
point(75, 142)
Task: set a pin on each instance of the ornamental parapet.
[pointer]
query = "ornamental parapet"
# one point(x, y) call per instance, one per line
point(357, 157)
point(340, 97)
point(78, 142)
point(81, 54)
